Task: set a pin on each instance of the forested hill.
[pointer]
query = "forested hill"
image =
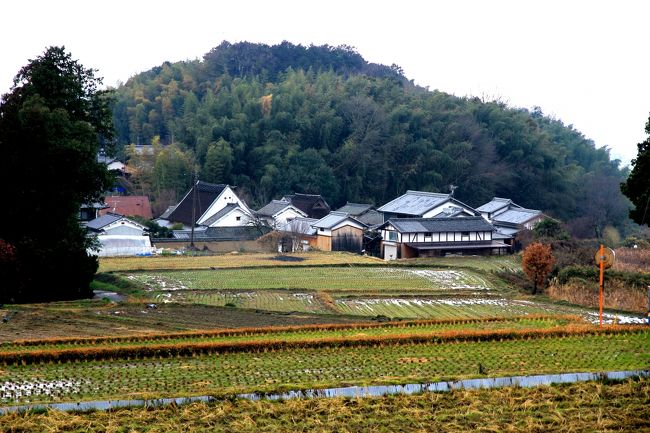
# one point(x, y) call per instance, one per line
point(285, 118)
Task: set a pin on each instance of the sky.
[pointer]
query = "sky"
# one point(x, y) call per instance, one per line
point(583, 62)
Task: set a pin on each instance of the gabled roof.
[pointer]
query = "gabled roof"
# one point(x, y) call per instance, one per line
point(277, 206)
point(222, 213)
point(168, 211)
point(448, 212)
point(355, 209)
point(335, 218)
point(496, 204)
point(99, 223)
point(313, 205)
point(516, 216)
point(206, 194)
point(414, 203)
point(102, 221)
point(437, 225)
point(132, 205)
point(371, 218)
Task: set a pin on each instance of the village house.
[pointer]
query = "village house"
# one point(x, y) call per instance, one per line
point(313, 205)
point(210, 205)
point(119, 236)
point(278, 213)
point(420, 204)
point(365, 213)
point(128, 205)
point(424, 237)
point(508, 218)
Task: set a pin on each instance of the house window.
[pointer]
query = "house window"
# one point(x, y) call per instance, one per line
point(464, 236)
point(321, 229)
point(392, 236)
point(238, 218)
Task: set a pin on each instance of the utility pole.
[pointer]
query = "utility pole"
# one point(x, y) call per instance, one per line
point(195, 183)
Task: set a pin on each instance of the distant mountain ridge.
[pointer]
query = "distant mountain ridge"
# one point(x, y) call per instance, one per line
point(287, 118)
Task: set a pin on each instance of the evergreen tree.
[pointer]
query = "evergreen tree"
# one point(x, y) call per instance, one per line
point(51, 124)
point(637, 185)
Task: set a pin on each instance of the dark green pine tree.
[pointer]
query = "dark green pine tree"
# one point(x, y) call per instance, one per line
point(637, 185)
point(51, 124)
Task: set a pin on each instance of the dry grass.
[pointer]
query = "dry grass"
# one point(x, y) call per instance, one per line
point(632, 260)
point(568, 408)
point(112, 264)
point(616, 295)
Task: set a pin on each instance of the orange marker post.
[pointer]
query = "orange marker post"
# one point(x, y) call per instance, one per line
point(602, 281)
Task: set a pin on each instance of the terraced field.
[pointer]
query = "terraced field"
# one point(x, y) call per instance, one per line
point(345, 279)
point(271, 365)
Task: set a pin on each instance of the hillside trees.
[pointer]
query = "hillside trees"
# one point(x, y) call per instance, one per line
point(295, 118)
point(637, 185)
point(51, 124)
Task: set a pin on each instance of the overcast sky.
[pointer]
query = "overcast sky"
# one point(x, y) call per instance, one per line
point(584, 62)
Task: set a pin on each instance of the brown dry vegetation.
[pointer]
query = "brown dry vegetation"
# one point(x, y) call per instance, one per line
point(632, 260)
point(586, 407)
point(617, 296)
point(96, 318)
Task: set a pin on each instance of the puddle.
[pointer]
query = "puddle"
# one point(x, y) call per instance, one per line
point(350, 391)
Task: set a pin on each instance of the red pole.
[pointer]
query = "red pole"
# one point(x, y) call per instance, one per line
point(602, 279)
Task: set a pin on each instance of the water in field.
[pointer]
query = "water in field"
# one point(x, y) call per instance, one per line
point(349, 391)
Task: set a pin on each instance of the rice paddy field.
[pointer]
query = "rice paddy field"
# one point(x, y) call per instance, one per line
point(396, 355)
point(237, 323)
point(620, 407)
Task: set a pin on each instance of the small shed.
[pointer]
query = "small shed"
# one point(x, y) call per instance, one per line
point(119, 236)
point(338, 231)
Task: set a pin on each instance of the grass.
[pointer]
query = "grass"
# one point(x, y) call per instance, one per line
point(580, 407)
point(316, 367)
point(125, 264)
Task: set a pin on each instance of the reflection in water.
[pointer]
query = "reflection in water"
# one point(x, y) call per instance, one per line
point(350, 391)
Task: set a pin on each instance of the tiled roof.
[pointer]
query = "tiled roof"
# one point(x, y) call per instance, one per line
point(516, 216)
point(495, 204)
point(206, 194)
point(371, 218)
point(313, 205)
point(414, 203)
point(273, 207)
point(437, 225)
point(133, 205)
point(355, 209)
point(104, 220)
point(333, 219)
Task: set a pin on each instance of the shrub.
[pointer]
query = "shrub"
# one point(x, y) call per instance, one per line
point(537, 263)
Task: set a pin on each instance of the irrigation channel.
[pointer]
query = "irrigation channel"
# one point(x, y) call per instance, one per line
point(350, 391)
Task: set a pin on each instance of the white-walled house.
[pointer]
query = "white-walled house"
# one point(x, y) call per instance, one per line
point(423, 237)
point(278, 213)
point(422, 204)
point(210, 205)
point(508, 217)
point(119, 236)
